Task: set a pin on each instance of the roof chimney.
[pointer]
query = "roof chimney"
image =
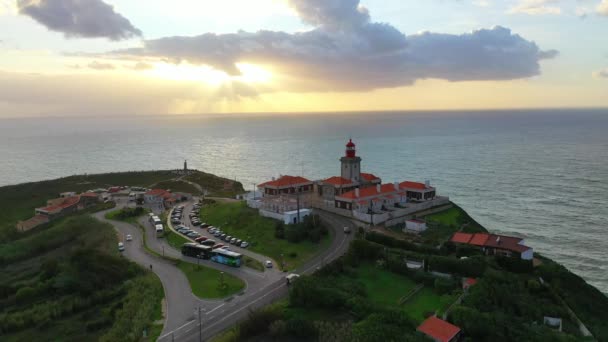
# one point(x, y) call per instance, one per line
point(427, 183)
point(357, 192)
point(396, 186)
point(498, 240)
point(378, 188)
point(273, 178)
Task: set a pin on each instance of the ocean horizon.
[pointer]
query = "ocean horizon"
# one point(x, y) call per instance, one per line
point(539, 174)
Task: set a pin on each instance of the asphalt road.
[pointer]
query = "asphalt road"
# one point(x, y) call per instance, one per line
point(182, 319)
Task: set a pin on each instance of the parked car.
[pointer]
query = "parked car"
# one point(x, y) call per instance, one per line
point(200, 239)
point(121, 247)
point(129, 237)
point(204, 225)
point(268, 264)
point(212, 230)
point(219, 245)
point(208, 242)
point(227, 238)
point(218, 233)
point(233, 241)
point(196, 223)
point(222, 236)
point(182, 229)
point(238, 242)
point(175, 220)
point(244, 244)
point(346, 230)
point(193, 234)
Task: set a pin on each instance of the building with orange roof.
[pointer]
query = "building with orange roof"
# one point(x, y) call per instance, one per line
point(493, 244)
point(286, 185)
point(439, 330)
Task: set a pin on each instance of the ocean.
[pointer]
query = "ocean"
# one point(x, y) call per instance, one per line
point(542, 175)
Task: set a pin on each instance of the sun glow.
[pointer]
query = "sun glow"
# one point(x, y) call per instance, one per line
point(250, 73)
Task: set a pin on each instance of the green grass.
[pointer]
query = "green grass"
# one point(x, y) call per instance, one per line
point(177, 186)
point(253, 263)
point(427, 301)
point(236, 219)
point(447, 217)
point(115, 215)
point(383, 287)
point(175, 240)
point(216, 186)
point(205, 282)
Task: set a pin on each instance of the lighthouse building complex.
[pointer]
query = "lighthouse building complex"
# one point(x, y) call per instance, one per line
point(353, 194)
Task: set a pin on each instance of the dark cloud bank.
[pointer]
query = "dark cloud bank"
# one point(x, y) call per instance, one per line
point(347, 51)
point(79, 18)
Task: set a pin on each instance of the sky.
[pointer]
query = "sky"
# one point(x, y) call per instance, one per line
point(133, 57)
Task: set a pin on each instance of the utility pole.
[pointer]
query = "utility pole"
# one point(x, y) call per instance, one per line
point(200, 325)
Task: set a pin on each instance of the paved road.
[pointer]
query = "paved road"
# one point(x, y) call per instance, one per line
point(179, 298)
point(225, 317)
point(216, 315)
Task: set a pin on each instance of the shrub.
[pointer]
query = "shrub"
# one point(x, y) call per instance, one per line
point(25, 294)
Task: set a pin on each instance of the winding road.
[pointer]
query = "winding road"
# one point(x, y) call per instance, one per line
point(263, 288)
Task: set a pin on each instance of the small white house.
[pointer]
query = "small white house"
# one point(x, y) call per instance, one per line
point(415, 225)
point(290, 217)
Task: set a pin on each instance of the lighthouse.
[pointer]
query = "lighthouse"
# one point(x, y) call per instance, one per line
point(351, 164)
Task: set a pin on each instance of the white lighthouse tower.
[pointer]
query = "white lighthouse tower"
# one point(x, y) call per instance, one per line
point(351, 164)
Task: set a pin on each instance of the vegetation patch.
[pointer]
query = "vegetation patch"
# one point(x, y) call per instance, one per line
point(428, 302)
point(175, 240)
point(253, 263)
point(216, 186)
point(242, 222)
point(70, 282)
point(129, 215)
point(178, 186)
point(208, 283)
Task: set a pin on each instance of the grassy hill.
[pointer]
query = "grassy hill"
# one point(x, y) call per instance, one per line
point(19, 201)
point(69, 281)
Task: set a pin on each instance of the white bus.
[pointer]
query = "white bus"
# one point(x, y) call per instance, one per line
point(159, 230)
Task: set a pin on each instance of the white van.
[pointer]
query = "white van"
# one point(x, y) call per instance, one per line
point(121, 247)
point(291, 278)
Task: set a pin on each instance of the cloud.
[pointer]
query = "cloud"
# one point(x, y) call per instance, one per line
point(536, 7)
point(100, 66)
point(139, 66)
point(79, 18)
point(346, 51)
point(602, 8)
point(601, 74)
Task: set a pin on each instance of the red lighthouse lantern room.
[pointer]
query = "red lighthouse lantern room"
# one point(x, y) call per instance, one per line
point(350, 149)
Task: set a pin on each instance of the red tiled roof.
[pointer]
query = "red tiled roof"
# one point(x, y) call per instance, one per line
point(369, 191)
point(156, 192)
point(506, 242)
point(479, 239)
point(369, 176)
point(438, 329)
point(491, 240)
point(285, 181)
point(470, 281)
point(89, 194)
point(66, 203)
point(461, 237)
point(412, 185)
point(338, 181)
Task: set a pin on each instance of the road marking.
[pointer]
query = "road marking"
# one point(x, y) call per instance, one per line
point(171, 332)
point(217, 307)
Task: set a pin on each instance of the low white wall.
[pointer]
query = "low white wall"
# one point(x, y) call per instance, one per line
point(276, 216)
